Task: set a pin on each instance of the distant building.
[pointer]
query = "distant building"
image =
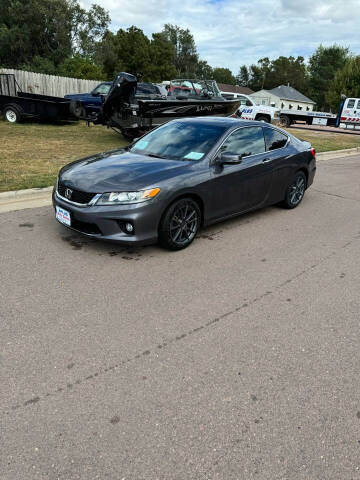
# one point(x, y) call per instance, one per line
point(284, 97)
point(232, 91)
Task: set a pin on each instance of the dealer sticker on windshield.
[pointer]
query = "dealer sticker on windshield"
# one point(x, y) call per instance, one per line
point(194, 155)
point(141, 144)
point(63, 216)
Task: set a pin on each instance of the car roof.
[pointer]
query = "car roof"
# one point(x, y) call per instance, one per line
point(224, 121)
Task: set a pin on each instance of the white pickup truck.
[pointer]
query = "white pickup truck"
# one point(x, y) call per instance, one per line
point(249, 110)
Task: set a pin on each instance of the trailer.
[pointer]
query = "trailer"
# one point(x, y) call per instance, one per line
point(348, 115)
point(16, 105)
point(288, 117)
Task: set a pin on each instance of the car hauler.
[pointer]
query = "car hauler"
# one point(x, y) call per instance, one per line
point(348, 116)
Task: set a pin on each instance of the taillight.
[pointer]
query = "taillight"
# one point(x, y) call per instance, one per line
point(313, 152)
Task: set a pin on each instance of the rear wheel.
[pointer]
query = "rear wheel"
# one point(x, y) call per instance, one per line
point(12, 115)
point(180, 224)
point(295, 191)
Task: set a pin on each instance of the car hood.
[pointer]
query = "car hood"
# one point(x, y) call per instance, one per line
point(119, 171)
point(77, 96)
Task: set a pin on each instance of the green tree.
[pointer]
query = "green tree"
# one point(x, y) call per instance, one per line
point(284, 70)
point(127, 50)
point(243, 76)
point(80, 67)
point(161, 59)
point(50, 30)
point(204, 71)
point(346, 81)
point(323, 65)
point(269, 74)
point(87, 27)
point(224, 75)
point(185, 55)
point(256, 78)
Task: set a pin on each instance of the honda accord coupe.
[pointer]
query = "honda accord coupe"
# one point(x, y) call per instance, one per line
point(183, 175)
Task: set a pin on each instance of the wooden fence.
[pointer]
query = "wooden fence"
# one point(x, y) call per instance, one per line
point(50, 84)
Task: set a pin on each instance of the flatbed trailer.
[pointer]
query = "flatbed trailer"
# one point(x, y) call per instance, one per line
point(288, 117)
point(348, 115)
point(16, 105)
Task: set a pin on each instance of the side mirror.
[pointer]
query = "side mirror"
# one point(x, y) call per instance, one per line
point(95, 94)
point(229, 159)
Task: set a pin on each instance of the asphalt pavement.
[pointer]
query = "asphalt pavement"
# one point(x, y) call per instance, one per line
point(237, 358)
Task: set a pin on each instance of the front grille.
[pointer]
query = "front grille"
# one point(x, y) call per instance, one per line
point(77, 195)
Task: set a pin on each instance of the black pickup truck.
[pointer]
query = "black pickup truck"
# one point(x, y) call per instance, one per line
point(16, 105)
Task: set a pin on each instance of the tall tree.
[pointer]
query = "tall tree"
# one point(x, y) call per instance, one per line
point(269, 74)
point(323, 65)
point(50, 30)
point(346, 82)
point(162, 65)
point(204, 71)
point(88, 27)
point(185, 54)
point(243, 76)
point(127, 50)
point(256, 78)
point(224, 75)
point(287, 70)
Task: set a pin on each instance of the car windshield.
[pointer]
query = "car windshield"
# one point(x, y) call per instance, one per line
point(180, 140)
point(102, 89)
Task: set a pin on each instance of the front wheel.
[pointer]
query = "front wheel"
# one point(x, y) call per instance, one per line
point(295, 191)
point(285, 121)
point(180, 224)
point(12, 115)
point(263, 118)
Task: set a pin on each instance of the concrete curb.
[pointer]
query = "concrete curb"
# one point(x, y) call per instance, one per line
point(22, 199)
point(17, 194)
point(337, 153)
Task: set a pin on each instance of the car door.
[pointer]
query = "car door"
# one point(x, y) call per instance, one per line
point(349, 109)
point(281, 159)
point(244, 186)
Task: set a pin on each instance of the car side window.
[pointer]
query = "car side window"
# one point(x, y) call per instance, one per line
point(245, 141)
point(274, 139)
point(358, 105)
point(351, 103)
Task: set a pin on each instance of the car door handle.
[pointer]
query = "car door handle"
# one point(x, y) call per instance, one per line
point(267, 160)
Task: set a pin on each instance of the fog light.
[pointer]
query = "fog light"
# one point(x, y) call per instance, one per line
point(129, 227)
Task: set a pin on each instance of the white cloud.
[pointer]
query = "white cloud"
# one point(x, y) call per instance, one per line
point(229, 33)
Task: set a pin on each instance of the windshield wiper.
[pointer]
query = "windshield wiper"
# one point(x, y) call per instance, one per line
point(153, 155)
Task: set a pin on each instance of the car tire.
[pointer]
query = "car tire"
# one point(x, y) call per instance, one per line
point(295, 191)
point(180, 224)
point(264, 119)
point(12, 114)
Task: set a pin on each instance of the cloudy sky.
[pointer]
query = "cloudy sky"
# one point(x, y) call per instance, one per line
point(229, 33)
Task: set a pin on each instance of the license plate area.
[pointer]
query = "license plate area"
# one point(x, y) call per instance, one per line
point(63, 216)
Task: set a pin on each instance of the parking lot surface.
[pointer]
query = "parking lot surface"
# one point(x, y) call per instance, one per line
point(237, 358)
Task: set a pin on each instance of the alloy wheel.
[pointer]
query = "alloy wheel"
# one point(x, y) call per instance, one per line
point(184, 224)
point(297, 190)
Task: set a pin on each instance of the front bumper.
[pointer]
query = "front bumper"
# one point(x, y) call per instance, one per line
point(107, 222)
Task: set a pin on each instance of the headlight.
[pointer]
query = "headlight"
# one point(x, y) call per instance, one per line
point(116, 198)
